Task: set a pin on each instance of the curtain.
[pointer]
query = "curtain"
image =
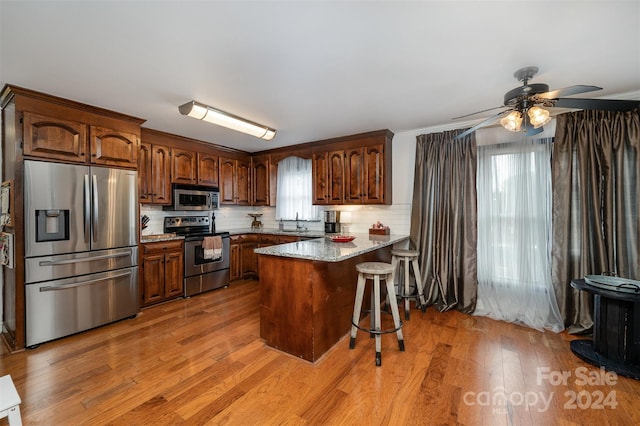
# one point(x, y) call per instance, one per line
point(596, 224)
point(294, 196)
point(443, 219)
point(514, 234)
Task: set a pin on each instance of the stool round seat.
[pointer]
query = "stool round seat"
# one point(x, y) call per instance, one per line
point(404, 253)
point(379, 268)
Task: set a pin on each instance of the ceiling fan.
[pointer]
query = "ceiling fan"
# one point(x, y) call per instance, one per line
point(524, 106)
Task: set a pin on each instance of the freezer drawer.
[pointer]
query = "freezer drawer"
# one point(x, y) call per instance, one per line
point(47, 268)
point(59, 308)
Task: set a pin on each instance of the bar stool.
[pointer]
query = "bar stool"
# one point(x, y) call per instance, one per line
point(406, 256)
point(375, 271)
point(9, 401)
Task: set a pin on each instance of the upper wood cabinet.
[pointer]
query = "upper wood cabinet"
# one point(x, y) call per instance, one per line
point(353, 170)
point(208, 169)
point(154, 174)
point(54, 138)
point(328, 177)
point(59, 129)
point(260, 179)
point(110, 147)
point(183, 166)
point(235, 181)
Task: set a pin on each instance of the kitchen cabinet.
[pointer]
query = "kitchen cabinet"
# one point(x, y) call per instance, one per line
point(154, 173)
point(328, 177)
point(235, 181)
point(234, 260)
point(248, 259)
point(65, 139)
point(260, 179)
point(356, 170)
point(162, 271)
point(207, 169)
point(183, 166)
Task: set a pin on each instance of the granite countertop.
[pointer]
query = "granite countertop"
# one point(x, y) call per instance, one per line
point(153, 238)
point(274, 231)
point(323, 249)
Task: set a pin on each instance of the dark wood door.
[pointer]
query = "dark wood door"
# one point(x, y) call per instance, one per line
point(320, 177)
point(354, 174)
point(373, 182)
point(243, 184)
point(207, 169)
point(227, 181)
point(145, 180)
point(234, 262)
point(260, 192)
point(336, 177)
point(152, 278)
point(54, 138)
point(249, 259)
point(183, 166)
point(161, 174)
point(173, 270)
point(111, 147)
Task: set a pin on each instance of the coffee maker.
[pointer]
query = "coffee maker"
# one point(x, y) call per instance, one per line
point(332, 221)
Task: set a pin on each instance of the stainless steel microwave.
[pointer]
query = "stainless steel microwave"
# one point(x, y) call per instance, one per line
point(187, 198)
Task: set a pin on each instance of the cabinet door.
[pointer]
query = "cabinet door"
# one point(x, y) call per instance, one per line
point(111, 147)
point(145, 180)
point(173, 270)
point(183, 166)
point(54, 138)
point(234, 262)
point(161, 172)
point(227, 181)
point(354, 175)
point(207, 169)
point(373, 183)
point(336, 177)
point(320, 177)
point(260, 179)
point(248, 259)
point(152, 278)
point(243, 183)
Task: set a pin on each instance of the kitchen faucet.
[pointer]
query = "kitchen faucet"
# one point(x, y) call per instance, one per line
point(298, 226)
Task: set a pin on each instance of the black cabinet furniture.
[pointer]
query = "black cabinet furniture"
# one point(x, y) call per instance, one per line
point(616, 331)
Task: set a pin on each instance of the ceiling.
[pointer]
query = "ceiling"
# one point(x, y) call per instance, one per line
point(313, 70)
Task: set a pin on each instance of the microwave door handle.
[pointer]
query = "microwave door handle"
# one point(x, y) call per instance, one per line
point(209, 202)
point(95, 208)
point(87, 209)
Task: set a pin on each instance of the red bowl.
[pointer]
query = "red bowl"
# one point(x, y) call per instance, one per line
point(342, 238)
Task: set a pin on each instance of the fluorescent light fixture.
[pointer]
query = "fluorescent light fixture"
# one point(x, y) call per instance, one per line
point(203, 112)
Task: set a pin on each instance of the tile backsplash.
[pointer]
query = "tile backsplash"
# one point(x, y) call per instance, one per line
point(396, 216)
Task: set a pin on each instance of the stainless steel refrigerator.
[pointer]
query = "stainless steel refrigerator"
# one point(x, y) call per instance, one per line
point(81, 255)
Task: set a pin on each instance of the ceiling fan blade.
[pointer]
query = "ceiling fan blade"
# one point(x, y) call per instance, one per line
point(482, 123)
point(529, 130)
point(478, 112)
point(568, 91)
point(600, 104)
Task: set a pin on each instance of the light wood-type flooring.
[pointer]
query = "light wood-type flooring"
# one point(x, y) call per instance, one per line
point(201, 361)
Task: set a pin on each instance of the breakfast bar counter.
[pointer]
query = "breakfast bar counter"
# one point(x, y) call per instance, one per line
point(307, 290)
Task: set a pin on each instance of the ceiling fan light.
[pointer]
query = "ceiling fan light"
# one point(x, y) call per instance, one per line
point(512, 122)
point(538, 117)
point(224, 119)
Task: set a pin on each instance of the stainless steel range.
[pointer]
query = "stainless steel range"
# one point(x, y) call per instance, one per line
point(202, 270)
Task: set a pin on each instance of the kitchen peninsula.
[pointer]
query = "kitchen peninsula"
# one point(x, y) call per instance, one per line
point(307, 290)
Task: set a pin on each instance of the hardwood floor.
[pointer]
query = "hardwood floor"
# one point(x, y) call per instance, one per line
point(201, 361)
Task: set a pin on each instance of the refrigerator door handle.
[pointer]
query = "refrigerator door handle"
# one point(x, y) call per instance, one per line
point(87, 209)
point(84, 283)
point(95, 208)
point(84, 259)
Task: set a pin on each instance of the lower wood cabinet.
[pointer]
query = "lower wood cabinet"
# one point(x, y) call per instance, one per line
point(162, 271)
point(244, 261)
